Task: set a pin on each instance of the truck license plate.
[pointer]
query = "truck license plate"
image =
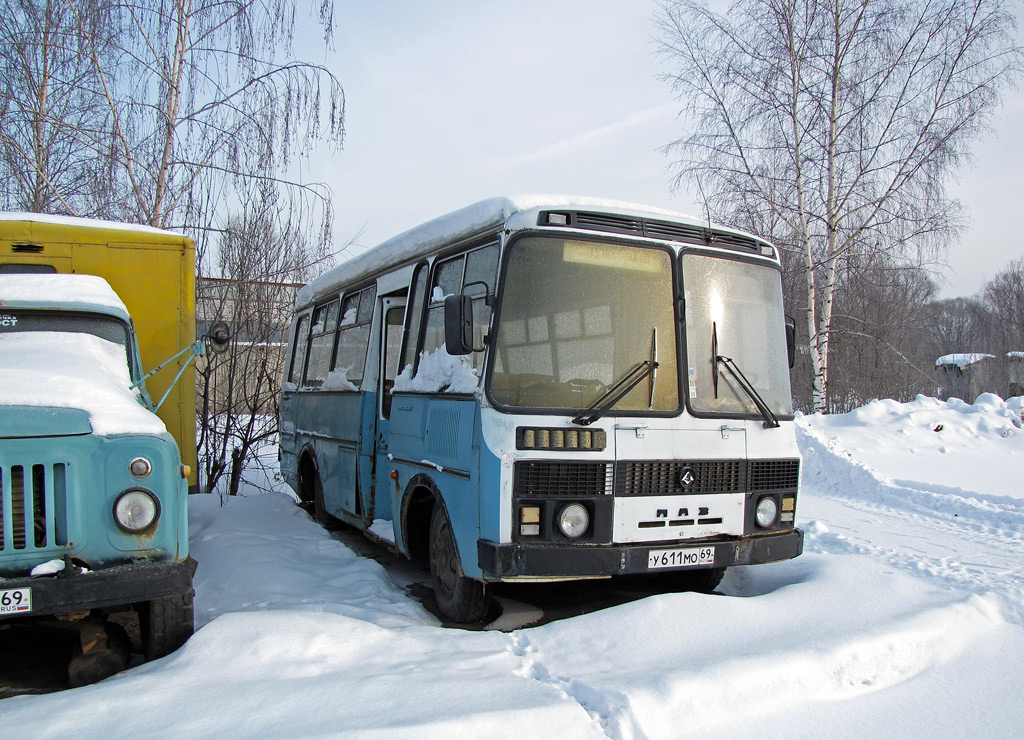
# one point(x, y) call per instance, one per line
point(16, 601)
point(680, 557)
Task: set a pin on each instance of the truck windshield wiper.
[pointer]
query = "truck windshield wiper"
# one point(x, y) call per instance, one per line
point(770, 420)
point(613, 395)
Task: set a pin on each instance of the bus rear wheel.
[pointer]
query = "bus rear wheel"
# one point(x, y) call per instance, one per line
point(459, 598)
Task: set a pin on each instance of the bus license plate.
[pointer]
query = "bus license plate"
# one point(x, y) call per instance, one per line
point(680, 557)
point(16, 601)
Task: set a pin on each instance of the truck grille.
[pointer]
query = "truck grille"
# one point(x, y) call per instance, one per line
point(33, 515)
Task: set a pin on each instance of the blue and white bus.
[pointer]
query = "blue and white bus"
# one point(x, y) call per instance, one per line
point(550, 388)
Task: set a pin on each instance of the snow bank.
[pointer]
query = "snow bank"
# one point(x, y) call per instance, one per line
point(890, 624)
point(73, 370)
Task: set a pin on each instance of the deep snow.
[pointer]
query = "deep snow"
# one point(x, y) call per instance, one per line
point(904, 618)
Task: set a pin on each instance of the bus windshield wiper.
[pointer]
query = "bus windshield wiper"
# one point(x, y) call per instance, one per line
point(770, 420)
point(613, 395)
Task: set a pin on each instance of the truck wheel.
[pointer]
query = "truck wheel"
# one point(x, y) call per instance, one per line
point(104, 652)
point(460, 599)
point(165, 624)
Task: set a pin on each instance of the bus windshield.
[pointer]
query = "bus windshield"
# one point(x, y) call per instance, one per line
point(734, 310)
point(576, 318)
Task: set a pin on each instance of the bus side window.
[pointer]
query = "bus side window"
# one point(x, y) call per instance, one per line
point(414, 316)
point(463, 273)
point(447, 281)
point(321, 342)
point(481, 267)
point(392, 354)
point(354, 335)
point(298, 350)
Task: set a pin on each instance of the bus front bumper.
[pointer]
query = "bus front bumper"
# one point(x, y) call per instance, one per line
point(116, 586)
point(512, 560)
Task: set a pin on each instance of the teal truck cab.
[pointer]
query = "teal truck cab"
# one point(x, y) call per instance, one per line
point(93, 524)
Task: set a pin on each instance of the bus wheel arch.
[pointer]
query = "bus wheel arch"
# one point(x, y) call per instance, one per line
point(427, 534)
point(420, 498)
point(311, 495)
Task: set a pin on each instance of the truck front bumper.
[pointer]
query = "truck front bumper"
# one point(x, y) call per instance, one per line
point(512, 560)
point(116, 586)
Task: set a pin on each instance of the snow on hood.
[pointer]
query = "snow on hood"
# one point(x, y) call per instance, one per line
point(81, 291)
point(74, 370)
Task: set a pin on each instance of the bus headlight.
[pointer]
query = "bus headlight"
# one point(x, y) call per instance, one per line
point(135, 511)
point(573, 520)
point(766, 512)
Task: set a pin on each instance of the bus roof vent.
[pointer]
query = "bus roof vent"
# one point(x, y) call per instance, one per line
point(676, 232)
point(27, 248)
point(607, 222)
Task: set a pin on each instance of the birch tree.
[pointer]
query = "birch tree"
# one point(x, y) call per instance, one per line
point(833, 126)
point(50, 117)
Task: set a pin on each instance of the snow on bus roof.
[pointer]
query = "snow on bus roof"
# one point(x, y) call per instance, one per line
point(79, 291)
point(92, 223)
point(464, 223)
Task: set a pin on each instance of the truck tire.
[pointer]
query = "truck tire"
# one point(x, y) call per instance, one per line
point(165, 624)
point(460, 599)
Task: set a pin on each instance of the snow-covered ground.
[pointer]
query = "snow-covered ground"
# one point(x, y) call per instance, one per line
point(904, 618)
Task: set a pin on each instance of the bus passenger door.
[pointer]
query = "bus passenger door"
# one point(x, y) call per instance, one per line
point(393, 312)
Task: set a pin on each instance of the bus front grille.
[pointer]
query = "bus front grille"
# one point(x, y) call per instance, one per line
point(774, 475)
point(544, 478)
point(33, 515)
point(661, 477)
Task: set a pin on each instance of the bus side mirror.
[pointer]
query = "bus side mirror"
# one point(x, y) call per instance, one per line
point(458, 324)
point(791, 341)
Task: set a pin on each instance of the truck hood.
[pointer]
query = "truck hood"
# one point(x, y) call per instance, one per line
point(42, 421)
point(56, 380)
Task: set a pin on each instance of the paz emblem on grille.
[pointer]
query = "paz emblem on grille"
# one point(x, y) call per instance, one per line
point(686, 477)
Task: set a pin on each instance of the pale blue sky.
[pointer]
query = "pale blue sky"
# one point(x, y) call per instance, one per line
point(453, 101)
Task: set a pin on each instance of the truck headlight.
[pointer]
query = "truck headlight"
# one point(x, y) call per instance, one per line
point(766, 512)
point(573, 520)
point(136, 510)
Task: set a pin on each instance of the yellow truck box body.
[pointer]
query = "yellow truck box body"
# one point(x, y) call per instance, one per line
point(154, 273)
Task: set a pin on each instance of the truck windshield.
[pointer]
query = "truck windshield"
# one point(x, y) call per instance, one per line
point(14, 321)
point(734, 310)
point(578, 316)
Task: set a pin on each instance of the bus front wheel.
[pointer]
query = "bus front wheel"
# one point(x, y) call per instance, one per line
point(460, 599)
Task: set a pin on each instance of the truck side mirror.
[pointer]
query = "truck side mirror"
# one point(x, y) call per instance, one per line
point(791, 341)
point(219, 336)
point(458, 324)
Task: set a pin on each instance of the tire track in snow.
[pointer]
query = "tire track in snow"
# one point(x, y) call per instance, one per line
point(609, 710)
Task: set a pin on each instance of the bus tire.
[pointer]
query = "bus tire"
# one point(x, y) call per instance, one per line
point(459, 598)
point(320, 515)
point(165, 624)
